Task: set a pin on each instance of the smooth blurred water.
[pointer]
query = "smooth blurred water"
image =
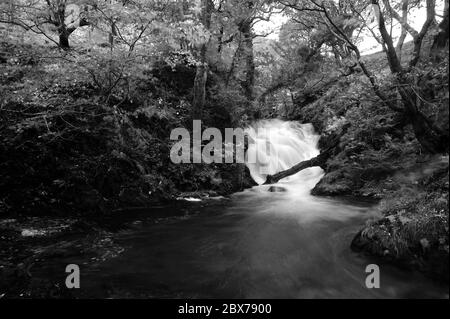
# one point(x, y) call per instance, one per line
point(257, 244)
point(277, 145)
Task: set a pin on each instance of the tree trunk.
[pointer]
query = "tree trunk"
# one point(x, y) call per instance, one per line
point(249, 82)
point(430, 137)
point(233, 65)
point(220, 39)
point(59, 10)
point(418, 40)
point(64, 39)
point(431, 141)
point(404, 32)
point(112, 34)
point(201, 75)
point(441, 40)
point(314, 162)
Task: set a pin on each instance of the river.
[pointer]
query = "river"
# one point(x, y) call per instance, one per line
point(255, 244)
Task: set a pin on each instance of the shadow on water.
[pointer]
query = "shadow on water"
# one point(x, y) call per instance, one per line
point(253, 245)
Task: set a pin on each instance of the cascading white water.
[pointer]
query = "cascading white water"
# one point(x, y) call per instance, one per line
point(277, 145)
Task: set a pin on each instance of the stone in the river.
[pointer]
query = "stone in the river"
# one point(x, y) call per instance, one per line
point(276, 189)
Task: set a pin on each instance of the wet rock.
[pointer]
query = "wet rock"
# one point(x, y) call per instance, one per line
point(388, 238)
point(425, 244)
point(198, 195)
point(89, 199)
point(368, 241)
point(189, 199)
point(277, 189)
point(332, 184)
point(32, 233)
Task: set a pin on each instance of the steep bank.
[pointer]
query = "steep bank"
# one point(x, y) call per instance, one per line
point(379, 157)
point(414, 229)
point(67, 149)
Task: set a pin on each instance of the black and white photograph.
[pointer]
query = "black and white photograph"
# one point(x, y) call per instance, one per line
point(246, 151)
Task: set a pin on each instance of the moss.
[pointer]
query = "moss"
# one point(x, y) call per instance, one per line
point(415, 226)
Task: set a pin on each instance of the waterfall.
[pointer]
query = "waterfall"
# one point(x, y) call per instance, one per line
point(276, 145)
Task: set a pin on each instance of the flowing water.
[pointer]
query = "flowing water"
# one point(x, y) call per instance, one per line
point(256, 244)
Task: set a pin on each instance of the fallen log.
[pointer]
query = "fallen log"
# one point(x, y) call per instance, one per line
point(316, 161)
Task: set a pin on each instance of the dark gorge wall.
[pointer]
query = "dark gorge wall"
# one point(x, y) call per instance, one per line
point(66, 150)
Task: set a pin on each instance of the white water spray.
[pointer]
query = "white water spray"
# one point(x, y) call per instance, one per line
point(276, 146)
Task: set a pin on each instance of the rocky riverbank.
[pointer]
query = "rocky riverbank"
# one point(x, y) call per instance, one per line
point(378, 157)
